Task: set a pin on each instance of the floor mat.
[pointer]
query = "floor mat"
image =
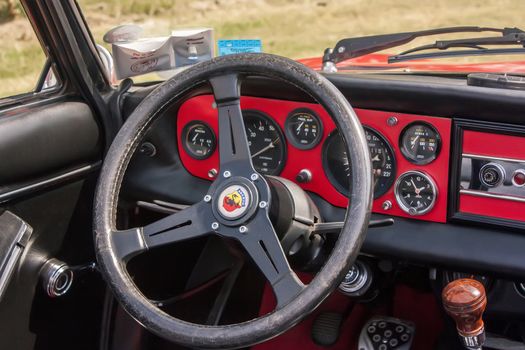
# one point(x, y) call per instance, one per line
point(410, 304)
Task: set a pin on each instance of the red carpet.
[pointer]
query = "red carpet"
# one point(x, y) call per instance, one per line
point(409, 304)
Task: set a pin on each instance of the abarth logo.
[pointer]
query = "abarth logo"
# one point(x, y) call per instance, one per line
point(233, 201)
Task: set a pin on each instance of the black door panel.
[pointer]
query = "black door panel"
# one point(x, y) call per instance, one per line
point(29, 319)
point(43, 140)
point(49, 155)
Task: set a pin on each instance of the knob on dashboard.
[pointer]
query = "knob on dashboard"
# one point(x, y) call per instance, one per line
point(57, 278)
point(465, 301)
point(304, 176)
point(358, 280)
point(492, 174)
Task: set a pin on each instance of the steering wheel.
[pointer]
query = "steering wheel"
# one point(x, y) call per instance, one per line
point(237, 204)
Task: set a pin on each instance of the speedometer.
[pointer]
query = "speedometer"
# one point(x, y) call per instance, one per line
point(339, 170)
point(266, 142)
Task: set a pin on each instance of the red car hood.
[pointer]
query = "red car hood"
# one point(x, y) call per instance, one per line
point(380, 62)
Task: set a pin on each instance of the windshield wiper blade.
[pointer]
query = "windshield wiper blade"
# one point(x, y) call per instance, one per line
point(355, 47)
point(442, 54)
point(511, 36)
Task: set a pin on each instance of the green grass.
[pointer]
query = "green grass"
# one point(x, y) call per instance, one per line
point(293, 28)
point(29, 60)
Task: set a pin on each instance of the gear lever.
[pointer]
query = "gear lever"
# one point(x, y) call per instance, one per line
point(465, 301)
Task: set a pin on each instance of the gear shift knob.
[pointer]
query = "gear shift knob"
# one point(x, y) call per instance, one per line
point(465, 301)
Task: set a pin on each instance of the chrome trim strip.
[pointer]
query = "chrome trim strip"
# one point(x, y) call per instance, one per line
point(475, 156)
point(48, 182)
point(492, 195)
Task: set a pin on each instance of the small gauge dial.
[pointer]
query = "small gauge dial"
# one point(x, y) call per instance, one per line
point(415, 192)
point(303, 129)
point(266, 142)
point(420, 143)
point(339, 170)
point(198, 140)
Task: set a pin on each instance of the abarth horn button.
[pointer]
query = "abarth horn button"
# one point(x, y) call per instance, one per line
point(233, 202)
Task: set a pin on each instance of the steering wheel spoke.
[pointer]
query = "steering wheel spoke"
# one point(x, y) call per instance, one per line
point(263, 246)
point(186, 224)
point(234, 151)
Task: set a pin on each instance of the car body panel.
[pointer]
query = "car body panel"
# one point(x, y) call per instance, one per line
point(379, 62)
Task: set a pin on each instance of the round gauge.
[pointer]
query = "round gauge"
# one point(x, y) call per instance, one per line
point(266, 142)
point(303, 129)
point(416, 193)
point(198, 140)
point(339, 170)
point(420, 143)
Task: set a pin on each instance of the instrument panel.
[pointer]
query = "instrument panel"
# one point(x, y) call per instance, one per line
point(299, 141)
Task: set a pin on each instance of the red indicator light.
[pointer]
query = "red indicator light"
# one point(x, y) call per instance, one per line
point(518, 179)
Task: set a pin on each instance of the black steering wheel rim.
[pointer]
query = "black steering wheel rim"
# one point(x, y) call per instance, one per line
point(345, 250)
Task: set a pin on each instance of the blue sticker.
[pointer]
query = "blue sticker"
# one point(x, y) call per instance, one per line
point(228, 47)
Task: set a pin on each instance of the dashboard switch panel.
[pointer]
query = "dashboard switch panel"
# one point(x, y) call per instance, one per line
point(491, 178)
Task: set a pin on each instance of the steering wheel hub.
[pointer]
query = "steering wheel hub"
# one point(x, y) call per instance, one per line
point(235, 201)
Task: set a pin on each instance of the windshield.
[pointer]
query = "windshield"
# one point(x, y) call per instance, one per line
point(304, 29)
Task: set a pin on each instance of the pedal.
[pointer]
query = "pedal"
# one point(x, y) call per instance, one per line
point(326, 328)
point(386, 333)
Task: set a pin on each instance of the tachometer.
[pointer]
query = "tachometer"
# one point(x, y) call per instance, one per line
point(198, 140)
point(266, 142)
point(339, 170)
point(303, 128)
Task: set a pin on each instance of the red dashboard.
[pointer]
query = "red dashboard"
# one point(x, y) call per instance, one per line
point(387, 124)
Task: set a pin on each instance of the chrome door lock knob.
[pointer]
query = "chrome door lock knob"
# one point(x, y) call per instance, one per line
point(57, 277)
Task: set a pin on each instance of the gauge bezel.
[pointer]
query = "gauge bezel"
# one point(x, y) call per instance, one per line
point(185, 131)
point(400, 201)
point(291, 137)
point(407, 155)
point(331, 178)
point(246, 112)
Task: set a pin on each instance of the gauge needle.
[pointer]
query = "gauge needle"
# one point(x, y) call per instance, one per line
point(376, 158)
point(415, 187)
point(413, 143)
point(270, 146)
point(194, 138)
point(299, 128)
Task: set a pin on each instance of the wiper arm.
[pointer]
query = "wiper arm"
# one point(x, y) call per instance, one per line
point(511, 36)
point(360, 46)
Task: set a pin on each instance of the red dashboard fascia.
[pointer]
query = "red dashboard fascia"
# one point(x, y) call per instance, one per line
point(493, 145)
point(202, 108)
